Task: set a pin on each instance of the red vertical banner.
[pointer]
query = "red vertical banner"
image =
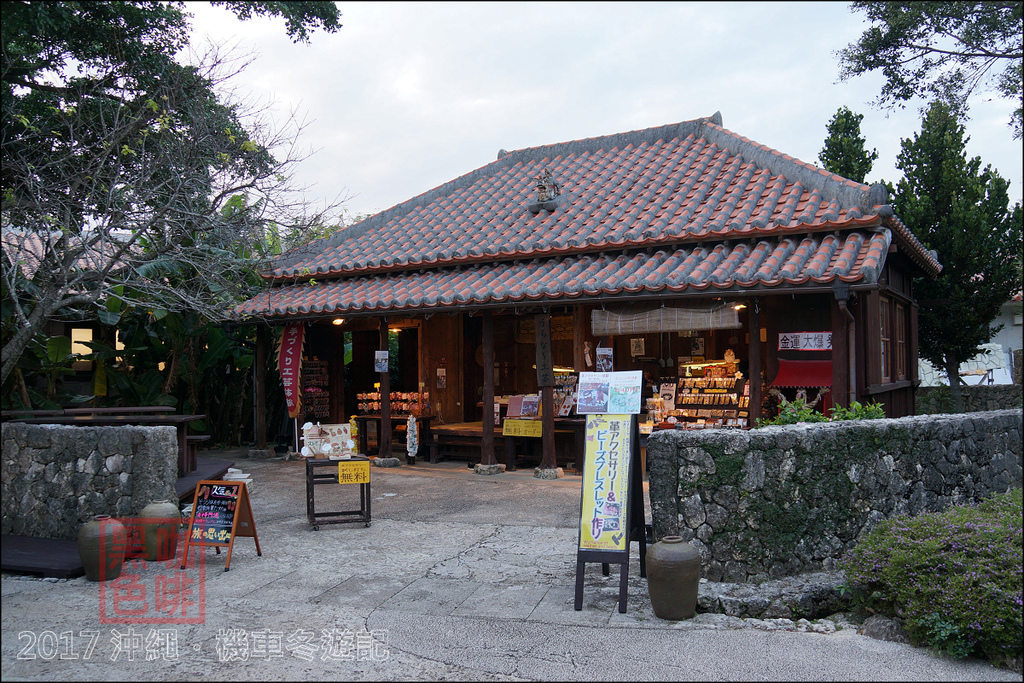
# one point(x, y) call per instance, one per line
point(289, 365)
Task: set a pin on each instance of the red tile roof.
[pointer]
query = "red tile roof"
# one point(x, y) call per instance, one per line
point(689, 207)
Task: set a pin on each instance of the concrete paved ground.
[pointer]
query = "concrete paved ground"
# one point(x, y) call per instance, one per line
point(459, 577)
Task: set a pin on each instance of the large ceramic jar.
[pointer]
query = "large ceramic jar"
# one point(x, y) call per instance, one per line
point(102, 542)
point(161, 522)
point(673, 577)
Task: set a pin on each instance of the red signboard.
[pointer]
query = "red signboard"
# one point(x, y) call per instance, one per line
point(289, 365)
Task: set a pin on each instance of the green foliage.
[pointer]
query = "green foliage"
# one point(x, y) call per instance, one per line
point(300, 16)
point(791, 412)
point(944, 50)
point(964, 215)
point(954, 577)
point(177, 359)
point(799, 410)
point(120, 157)
point(857, 411)
point(844, 152)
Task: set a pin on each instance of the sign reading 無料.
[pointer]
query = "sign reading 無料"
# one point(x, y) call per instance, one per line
point(354, 472)
point(523, 428)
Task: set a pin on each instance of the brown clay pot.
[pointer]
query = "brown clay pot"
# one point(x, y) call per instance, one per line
point(673, 577)
point(160, 526)
point(102, 542)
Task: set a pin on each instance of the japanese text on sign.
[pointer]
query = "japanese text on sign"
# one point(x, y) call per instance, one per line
point(805, 341)
point(354, 472)
point(606, 479)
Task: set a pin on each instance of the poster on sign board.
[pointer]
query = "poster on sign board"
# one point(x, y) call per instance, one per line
point(609, 392)
point(606, 483)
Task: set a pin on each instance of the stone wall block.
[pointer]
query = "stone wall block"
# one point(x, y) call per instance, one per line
point(692, 508)
point(716, 515)
point(813, 489)
point(56, 477)
point(727, 496)
point(753, 472)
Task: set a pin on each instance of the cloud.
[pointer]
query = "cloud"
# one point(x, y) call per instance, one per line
point(407, 96)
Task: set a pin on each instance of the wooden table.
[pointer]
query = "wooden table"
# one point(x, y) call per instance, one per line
point(120, 410)
point(320, 471)
point(422, 423)
point(186, 463)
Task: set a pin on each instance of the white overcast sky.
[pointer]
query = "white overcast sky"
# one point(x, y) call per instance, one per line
point(407, 96)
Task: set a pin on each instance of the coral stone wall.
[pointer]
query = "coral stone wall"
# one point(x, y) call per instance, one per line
point(56, 477)
point(778, 501)
point(978, 397)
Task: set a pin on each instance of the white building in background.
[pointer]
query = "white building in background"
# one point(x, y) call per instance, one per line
point(994, 365)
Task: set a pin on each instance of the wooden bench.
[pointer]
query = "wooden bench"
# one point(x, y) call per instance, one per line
point(449, 439)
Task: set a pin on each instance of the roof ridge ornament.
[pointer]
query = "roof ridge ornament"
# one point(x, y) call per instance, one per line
point(548, 190)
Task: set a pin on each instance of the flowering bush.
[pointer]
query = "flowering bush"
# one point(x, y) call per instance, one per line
point(954, 577)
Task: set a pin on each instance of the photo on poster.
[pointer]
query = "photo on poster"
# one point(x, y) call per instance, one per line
point(636, 346)
point(697, 346)
point(380, 361)
point(624, 391)
point(668, 396)
point(604, 359)
point(531, 405)
point(593, 393)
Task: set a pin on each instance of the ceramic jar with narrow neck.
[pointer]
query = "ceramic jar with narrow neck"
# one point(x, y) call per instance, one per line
point(102, 543)
point(673, 578)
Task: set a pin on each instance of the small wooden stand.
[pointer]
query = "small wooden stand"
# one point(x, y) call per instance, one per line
point(220, 512)
point(328, 474)
point(635, 523)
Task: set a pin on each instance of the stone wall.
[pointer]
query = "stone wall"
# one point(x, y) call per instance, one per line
point(57, 477)
point(978, 397)
point(779, 501)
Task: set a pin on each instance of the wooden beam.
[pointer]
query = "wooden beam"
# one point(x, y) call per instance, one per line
point(384, 438)
point(487, 439)
point(259, 381)
point(545, 384)
point(754, 362)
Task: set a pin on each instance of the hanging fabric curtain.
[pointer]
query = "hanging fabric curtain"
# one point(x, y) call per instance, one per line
point(604, 323)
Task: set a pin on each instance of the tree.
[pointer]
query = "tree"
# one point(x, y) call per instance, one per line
point(965, 217)
point(130, 178)
point(941, 50)
point(844, 153)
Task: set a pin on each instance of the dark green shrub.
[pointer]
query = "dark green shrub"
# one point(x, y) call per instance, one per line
point(858, 411)
point(791, 412)
point(799, 410)
point(954, 577)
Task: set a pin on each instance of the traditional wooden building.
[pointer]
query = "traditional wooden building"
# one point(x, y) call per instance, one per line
point(691, 252)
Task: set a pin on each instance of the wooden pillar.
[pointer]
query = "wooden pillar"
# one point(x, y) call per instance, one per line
point(545, 384)
point(259, 385)
point(336, 382)
point(755, 362)
point(384, 437)
point(487, 439)
point(841, 366)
